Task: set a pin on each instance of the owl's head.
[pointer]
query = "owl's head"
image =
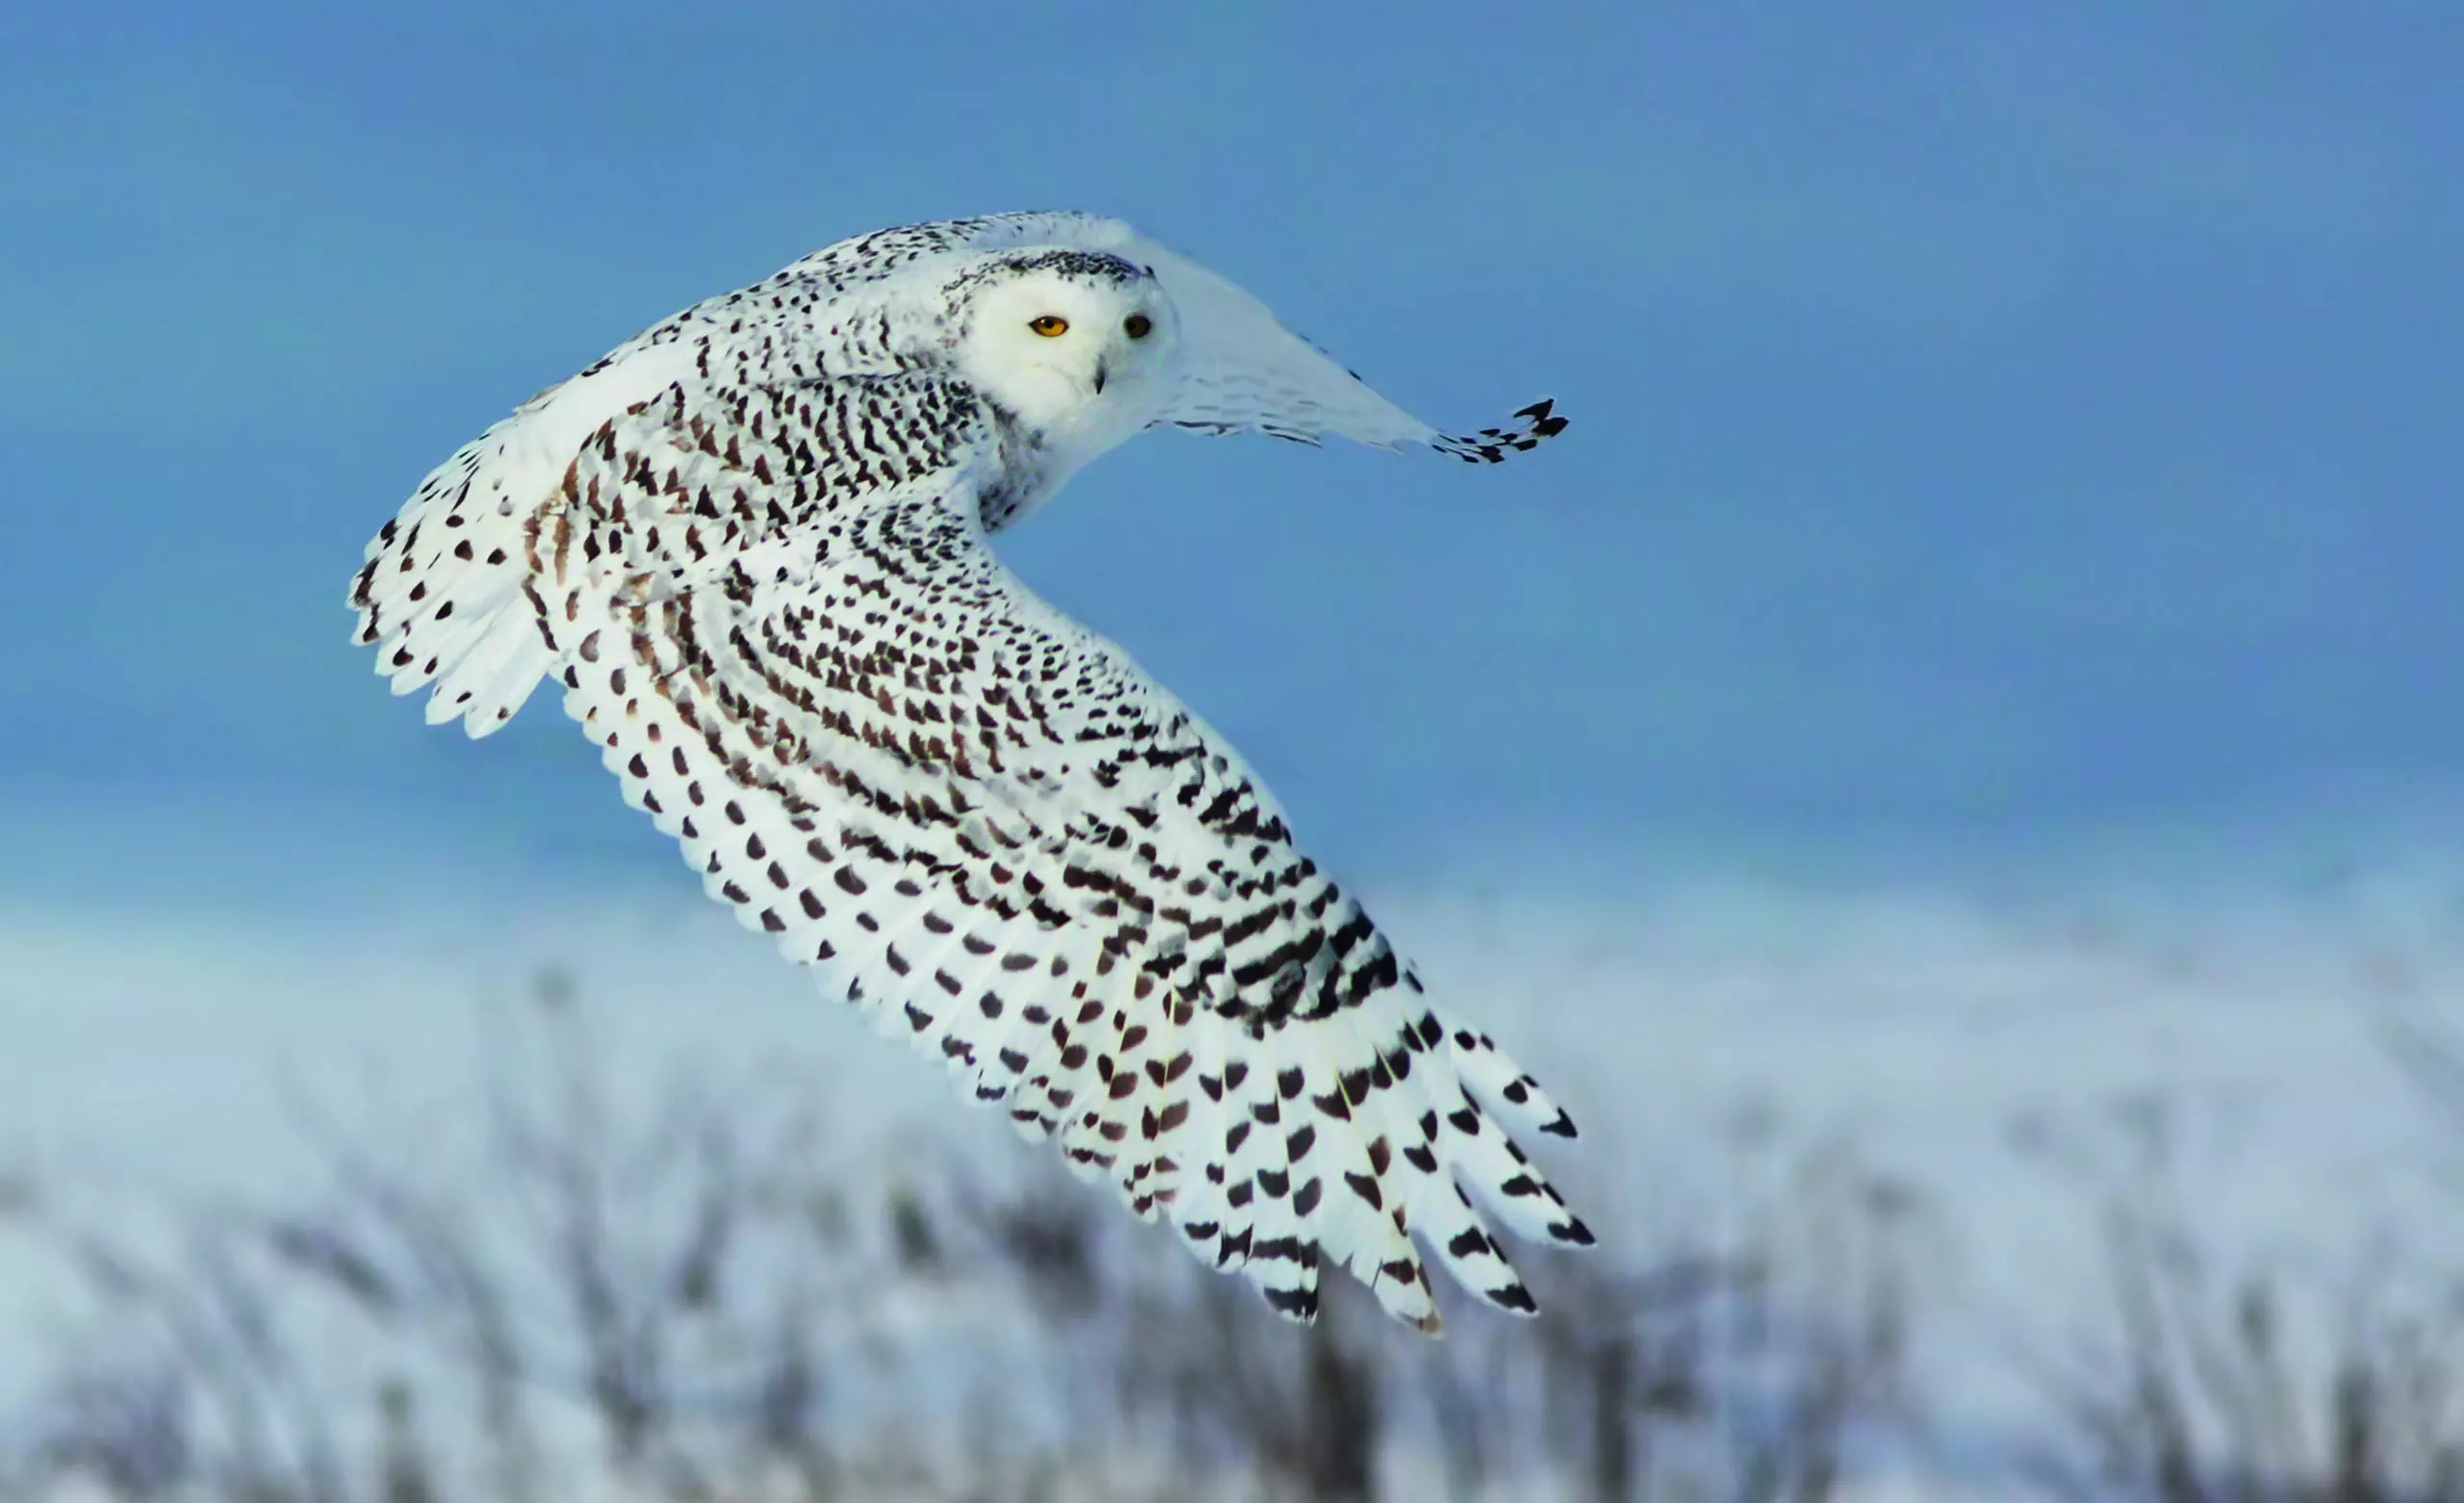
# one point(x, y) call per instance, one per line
point(1077, 346)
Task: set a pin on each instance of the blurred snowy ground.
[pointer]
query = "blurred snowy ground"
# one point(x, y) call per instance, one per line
point(2009, 1044)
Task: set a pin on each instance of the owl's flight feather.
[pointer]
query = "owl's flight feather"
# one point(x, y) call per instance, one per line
point(751, 544)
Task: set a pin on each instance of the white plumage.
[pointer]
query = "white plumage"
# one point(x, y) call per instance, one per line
point(750, 544)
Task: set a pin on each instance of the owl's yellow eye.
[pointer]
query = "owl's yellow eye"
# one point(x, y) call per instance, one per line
point(1137, 326)
point(1050, 325)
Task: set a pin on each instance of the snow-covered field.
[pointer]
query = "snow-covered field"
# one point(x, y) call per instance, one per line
point(2005, 1043)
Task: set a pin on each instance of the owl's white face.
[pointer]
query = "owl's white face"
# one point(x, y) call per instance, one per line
point(1082, 352)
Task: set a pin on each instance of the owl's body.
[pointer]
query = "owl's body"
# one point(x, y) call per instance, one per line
point(750, 544)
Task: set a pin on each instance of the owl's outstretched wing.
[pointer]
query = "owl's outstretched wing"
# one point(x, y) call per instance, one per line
point(1244, 370)
point(986, 824)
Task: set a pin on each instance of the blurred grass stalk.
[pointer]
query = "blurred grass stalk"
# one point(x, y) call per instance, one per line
point(675, 1306)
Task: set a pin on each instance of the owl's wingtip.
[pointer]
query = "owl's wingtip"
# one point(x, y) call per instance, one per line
point(1491, 446)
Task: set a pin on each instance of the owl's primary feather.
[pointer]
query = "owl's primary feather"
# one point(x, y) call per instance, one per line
point(750, 544)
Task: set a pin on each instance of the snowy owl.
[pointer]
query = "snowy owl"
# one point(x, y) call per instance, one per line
point(751, 542)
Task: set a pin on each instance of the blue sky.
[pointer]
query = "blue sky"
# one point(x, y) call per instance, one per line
point(1989, 422)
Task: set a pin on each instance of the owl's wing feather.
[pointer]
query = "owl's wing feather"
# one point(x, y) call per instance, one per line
point(440, 592)
point(1247, 372)
point(992, 830)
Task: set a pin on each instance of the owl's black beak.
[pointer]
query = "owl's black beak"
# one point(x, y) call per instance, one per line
point(1099, 378)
